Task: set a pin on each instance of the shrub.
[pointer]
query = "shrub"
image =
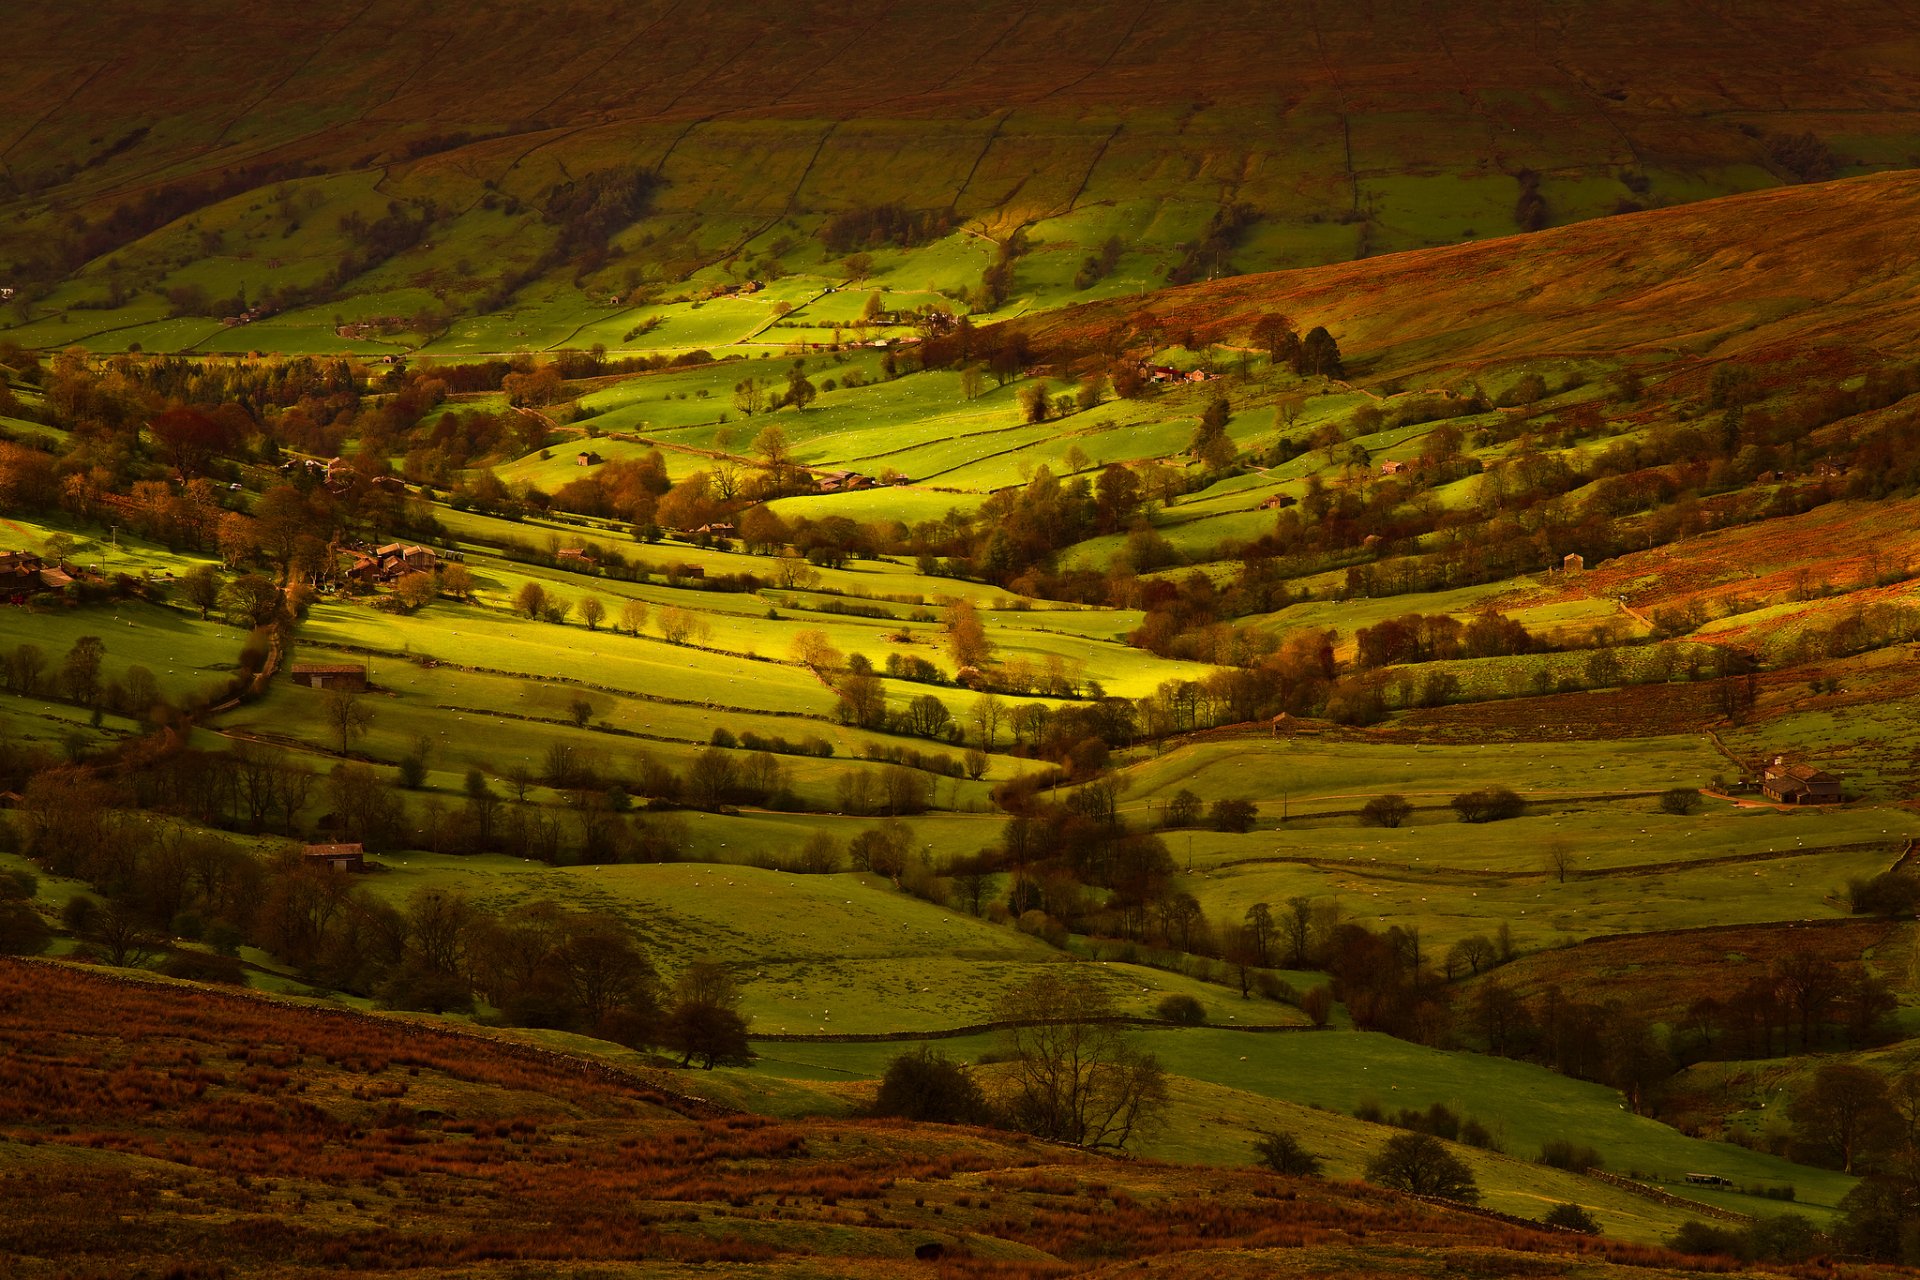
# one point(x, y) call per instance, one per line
point(1562, 1154)
point(1894, 894)
point(1695, 1236)
point(198, 966)
point(1421, 1164)
point(1441, 1122)
point(1385, 811)
point(1282, 1153)
point(22, 931)
point(928, 1085)
point(1232, 815)
point(1787, 1237)
point(1185, 1010)
point(1494, 804)
point(1571, 1217)
point(1317, 1004)
point(1679, 800)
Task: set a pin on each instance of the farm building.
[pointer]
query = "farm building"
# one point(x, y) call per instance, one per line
point(575, 558)
point(407, 557)
point(21, 574)
point(340, 857)
point(588, 458)
point(1572, 563)
point(330, 675)
point(1786, 783)
point(841, 481)
point(1391, 468)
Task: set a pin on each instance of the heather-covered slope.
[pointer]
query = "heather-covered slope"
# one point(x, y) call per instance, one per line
point(263, 1139)
point(1836, 262)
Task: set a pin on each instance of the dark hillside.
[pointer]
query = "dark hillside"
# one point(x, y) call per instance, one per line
point(1409, 123)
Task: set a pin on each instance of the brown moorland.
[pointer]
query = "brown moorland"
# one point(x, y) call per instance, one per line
point(1750, 276)
point(144, 1124)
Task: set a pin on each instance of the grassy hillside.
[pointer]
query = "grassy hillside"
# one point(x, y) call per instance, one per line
point(169, 159)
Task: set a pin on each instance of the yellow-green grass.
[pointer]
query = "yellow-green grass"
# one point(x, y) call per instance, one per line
point(551, 468)
point(1326, 772)
point(836, 954)
point(881, 578)
point(495, 724)
point(1540, 912)
point(1874, 746)
point(1524, 1105)
point(184, 654)
point(496, 641)
point(741, 626)
point(909, 503)
point(53, 725)
point(113, 551)
point(1214, 1124)
point(1597, 837)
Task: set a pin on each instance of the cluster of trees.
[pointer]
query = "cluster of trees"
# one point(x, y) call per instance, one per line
point(1073, 1074)
point(537, 964)
point(1803, 1004)
point(1439, 638)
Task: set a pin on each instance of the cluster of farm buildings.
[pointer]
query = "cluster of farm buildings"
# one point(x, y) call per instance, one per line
point(23, 574)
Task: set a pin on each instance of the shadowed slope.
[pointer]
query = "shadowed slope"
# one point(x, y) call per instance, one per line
point(1800, 265)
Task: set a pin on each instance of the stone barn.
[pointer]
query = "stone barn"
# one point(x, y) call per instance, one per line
point(1785, 783)
point(338, 857)
point(330, 675)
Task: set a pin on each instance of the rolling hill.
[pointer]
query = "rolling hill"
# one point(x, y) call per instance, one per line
point(170, 164)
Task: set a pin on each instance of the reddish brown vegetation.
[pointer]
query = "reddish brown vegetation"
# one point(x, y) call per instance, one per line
point(259, 1138)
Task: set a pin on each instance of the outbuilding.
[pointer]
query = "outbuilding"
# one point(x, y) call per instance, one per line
point(1785, 783)
point(330, 675)
point(337, 857)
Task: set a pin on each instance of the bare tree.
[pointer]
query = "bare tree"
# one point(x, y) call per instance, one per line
point(1559, 859)
point(1076, 1077)
point(345, 714)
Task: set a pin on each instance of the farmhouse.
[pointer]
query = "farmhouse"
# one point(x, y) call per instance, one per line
point(20, 575)
point(575, 557)
point(330, 675)
point(338, 857)
point(391, 561)
point(1786, 783)
point(841, 481)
